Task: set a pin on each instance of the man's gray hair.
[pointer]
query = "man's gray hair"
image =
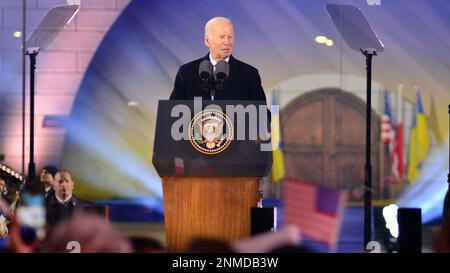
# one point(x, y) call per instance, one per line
point(215, 20)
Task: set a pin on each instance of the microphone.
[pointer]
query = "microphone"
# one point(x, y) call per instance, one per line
point(221, 73)
point(205, 71)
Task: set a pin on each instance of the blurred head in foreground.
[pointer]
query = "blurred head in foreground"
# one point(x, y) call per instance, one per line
point(86, 233)
point(146, 245)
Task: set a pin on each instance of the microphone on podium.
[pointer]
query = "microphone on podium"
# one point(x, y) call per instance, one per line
point(221, 73)
point(205, 71)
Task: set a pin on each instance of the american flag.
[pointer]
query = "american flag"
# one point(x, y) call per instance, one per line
point(179, 165)
point(315, 209)
point(387, 132)
point(389, 137)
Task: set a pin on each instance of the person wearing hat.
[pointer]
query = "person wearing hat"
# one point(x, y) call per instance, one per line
point(47, 178)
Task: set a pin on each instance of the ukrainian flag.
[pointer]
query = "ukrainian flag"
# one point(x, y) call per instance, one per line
point(278, 170)
point(419, 143)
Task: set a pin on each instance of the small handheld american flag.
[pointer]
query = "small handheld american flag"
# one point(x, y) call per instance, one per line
point(315, 209)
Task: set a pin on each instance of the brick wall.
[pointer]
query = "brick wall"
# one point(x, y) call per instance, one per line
point(60, 70)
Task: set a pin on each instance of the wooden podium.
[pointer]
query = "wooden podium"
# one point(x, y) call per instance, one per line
point(206, 196)
point(207, 207)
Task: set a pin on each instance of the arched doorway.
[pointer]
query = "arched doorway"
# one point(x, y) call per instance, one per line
point(324, 141)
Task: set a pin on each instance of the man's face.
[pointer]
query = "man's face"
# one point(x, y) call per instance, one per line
point(2, 185)
point(47, 177)
point(63, 185)
point(220, 40)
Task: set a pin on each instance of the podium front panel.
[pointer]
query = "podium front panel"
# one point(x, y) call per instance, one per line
point(248, 157)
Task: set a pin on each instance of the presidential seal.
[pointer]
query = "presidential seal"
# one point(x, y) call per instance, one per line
point(210, 131)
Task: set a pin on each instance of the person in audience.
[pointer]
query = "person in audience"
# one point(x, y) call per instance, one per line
point(62, 204)
point(86, 232)
point(47, 178)
point(287, 238)
point(208, 245)
point(5, 210)
point(146, 245)
point(3, 189)
point(5, 184)
point(5, 214)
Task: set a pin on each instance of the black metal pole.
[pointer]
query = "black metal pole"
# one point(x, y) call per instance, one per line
point(24, 63)
point(368, 166)
point(31, 165)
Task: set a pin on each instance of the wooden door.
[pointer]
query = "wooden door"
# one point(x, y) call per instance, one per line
point(324, 141)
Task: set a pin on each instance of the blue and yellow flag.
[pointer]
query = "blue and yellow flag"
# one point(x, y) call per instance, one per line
point(278, 170)
point(419, 142)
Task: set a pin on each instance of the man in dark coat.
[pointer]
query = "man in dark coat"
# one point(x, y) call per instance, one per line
point(63, 203)
point(243, 81)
